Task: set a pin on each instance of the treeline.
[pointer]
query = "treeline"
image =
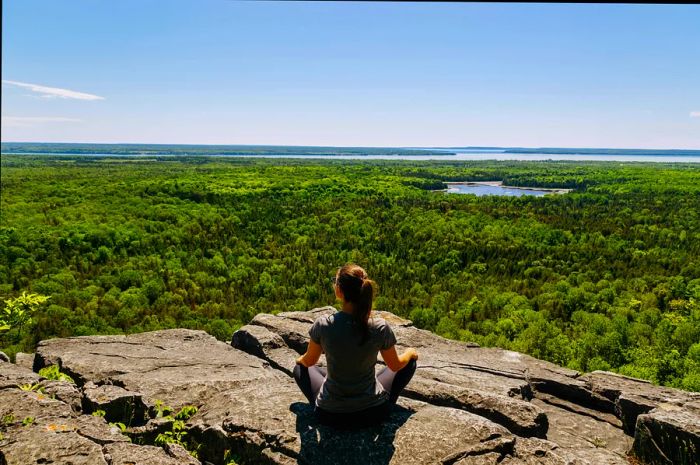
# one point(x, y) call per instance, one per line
point(605, 277)
point(201, 150)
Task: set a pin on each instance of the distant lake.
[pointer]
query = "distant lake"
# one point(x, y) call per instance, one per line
point(496, 188)
point(461, 156)
point(353, 153)
point(501, 156)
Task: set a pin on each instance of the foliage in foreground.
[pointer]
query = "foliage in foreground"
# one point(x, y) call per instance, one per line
point(52, 372)
point(176, 433)
point(17, 312)
point(606, 277)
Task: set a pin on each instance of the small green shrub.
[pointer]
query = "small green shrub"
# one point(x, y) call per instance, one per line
point(31, 387)
point(230, 458)
point(120, 425)
point(53, 373)
point(177, 433)
point(18, 311)
point(162, 410)
point(186, 412)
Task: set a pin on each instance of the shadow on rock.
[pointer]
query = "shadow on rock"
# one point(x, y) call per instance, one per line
point(324, 445)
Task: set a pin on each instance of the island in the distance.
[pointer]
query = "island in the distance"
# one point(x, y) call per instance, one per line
point(46, 148)
point(205, 150)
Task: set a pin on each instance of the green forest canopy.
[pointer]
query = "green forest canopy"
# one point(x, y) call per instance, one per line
point(605, 277)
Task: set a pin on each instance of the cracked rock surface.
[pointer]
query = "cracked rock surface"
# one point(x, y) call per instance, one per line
point(40, 428)
point(466, 405)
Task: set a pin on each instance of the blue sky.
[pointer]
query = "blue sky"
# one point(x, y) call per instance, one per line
point(351, 74)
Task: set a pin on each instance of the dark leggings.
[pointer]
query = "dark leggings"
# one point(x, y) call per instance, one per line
point(311, 379)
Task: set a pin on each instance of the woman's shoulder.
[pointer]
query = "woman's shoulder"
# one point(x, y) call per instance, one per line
point(381, 333)
point(319, 327)
point(379, 325)
point(323, 320)
point(323, 317)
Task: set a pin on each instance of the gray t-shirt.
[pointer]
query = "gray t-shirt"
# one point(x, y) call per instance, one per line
point(351, 384)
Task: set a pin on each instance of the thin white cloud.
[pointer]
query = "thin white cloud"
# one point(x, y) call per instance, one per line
point(695, 114)
point(53, 92)
point(29, 121)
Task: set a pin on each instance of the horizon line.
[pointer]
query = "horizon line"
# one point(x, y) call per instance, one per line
point(426, 147)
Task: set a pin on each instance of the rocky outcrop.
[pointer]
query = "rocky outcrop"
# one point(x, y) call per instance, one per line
point(117, 403)
point(586, 419)
point(632, 397)
point(37, 426)
point(24, 360)
point(121, 453)
point(13, 376)
point(179, 367)
point(668, 437)
point(466, 405)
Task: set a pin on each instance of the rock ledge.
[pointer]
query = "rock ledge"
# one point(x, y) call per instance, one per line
point(465, 405)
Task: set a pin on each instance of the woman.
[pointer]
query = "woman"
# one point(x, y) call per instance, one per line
point(350, 394)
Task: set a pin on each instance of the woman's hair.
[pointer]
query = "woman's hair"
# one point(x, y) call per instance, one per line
point(359, 291)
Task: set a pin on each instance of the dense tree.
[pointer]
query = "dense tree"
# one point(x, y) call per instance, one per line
point(605, 277)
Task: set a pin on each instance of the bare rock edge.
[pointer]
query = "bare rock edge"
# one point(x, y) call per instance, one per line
point(465, 405)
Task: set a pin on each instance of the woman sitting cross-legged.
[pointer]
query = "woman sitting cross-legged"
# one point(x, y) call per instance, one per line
point(349, 394)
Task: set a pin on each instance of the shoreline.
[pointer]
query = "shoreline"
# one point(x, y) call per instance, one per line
point(552, 190)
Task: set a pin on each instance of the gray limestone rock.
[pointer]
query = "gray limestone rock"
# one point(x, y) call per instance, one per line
point(668, 436)
point(38, 429)
point(178, 367)
point(178, 452)
point(263, 343)
point(118, 404)
point(18, 405)
point(586, 416)
point(534, 451)
point(585, 436)
point(65, 392)
point(146, 434)
point(130, 454)
point(24, 360)
point(12, 376)
point(519, 416)
point(493, 383)
point(629, 406)
point(466, 405)
point(632, 396)
point(275, 420)
point(93, 428)
point(36, 445)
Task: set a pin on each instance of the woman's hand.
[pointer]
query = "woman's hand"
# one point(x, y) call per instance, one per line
point(396, 362)
point(410, 354)
point(313, 353)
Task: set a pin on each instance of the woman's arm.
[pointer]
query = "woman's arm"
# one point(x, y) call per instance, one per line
point(396, 362)
point(313, 353)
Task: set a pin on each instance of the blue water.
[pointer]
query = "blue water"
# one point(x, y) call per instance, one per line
point(480, 189)
point(460, 155)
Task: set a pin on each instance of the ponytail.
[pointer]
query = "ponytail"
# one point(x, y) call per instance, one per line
point(363, 307)
point(359, 291)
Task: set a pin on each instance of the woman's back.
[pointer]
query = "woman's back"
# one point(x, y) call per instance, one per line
point(351, 383)
point(349, 393)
